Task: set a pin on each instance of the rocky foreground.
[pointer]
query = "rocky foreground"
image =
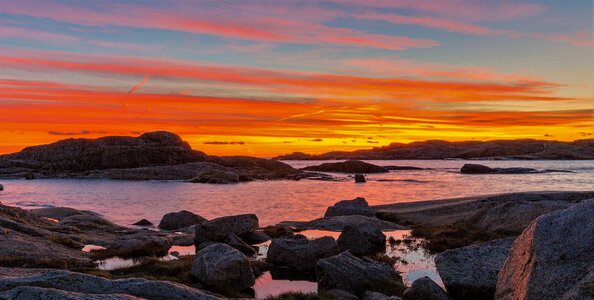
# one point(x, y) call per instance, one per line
point(436, 149)
point(151, 156)
point(537, 245)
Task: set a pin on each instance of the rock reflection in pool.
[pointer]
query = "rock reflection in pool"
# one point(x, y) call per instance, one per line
point(413, 262)
point(114, 263)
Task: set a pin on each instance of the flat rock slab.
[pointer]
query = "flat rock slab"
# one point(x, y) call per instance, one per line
point(338, 223)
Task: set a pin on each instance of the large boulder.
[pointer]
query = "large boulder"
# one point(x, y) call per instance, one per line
point(217, 176)
point(349, 166)
point(180, 219)
point(299, 253)
point(11, 278)
point(424, 289)
point(362, 240)
point(476, 169)
point(223, 268)
point(552, 258)
point(356, 276)
point(357, 206)
point(471, 272)
point(220, 228)
point(360, 178)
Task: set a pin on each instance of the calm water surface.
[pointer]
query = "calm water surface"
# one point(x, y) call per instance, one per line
point(126, 202)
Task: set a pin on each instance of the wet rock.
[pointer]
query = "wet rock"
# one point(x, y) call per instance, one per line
point(357, 206)
point(362, 240)
point(349, 166)
point(378, 296)
point(88, 221)
point(424, 289)
point(143, 223)
point(224, 268)
point(476, 169)
point(339, 294)
point(30, 292)
point(181, 219)
point(236, 242)
point(356, 276)
point(220, 228)
point(360, 178)
point(59, 213)
point(89, 284)
point(338, 223)
point(277, 231)
point(175, 254)
point(552, 258)
point(471, 272)
point(299, 253)
point(216, 176)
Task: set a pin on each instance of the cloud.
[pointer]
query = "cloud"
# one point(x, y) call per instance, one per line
point(317, 140)
point(224, 143)
point(82, 132)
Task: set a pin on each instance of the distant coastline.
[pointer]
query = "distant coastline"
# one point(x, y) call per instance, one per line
point(524, 149)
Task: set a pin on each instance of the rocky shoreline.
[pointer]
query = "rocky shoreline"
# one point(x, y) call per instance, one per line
point(485, 249)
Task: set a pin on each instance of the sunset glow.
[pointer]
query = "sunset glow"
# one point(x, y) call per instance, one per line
point(262, 79)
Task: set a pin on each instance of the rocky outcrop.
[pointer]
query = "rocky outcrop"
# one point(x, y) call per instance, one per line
point(218, 177)
point(378, 296)
point(362, 240)
point(436, 149)
point(481, 169)
point(299, 253)
point(31, 292)
point(349, 166)
point(73, 282)
point(356, 276)
point(360, 178)
point(424, 289)
point(471, 272)
point(552, 258)
point(357, 206)
point(220, 228)
point(151, 156)
point(338, 223)
point(223, 268)
point(180, 219)
point(143, 223)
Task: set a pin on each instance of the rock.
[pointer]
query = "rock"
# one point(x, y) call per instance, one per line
point(360, 178)
point(1, 187)
point(30, 292)
point(59, 213)
point(299, 253)
point(175, 254)
point(236, 242)
point(552, 258)
point(87, 220)
point(220, 228)
point(424, 289)
point(144, 223)
point(181, 219)
point(277, 231)
point(338, 223)
point(256, 237)
point(378, 296)
point(88, 284)
point(224, 268)
point(29, 176)
point(476, 169)
point(339, 294)
point(362, 240)
point(471, 272)
point(357, 206)
point(403, 168)
point(218, 177)
point(349, 166)
point(356, 276)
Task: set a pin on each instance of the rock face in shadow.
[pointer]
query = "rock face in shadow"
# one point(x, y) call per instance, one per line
point(220, 228)
point(151, 156)
point(338, 223)
point(357, 206)
point(299, 253)
point(552, 258)
point(180, 219)
point(424, 288)
point(356, 276)
point(87, 284)
point(471, 272)
point(349, 166)
point(362, 240)
point(436, 149)
point(31, 292)
point(224, 268)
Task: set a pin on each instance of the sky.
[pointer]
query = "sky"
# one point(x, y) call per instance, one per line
point(264, 78)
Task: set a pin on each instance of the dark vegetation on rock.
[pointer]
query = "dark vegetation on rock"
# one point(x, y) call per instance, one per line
point(437, 149)
point(156, 155)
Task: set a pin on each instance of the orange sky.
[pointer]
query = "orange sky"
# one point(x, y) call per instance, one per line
point(344, 76)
